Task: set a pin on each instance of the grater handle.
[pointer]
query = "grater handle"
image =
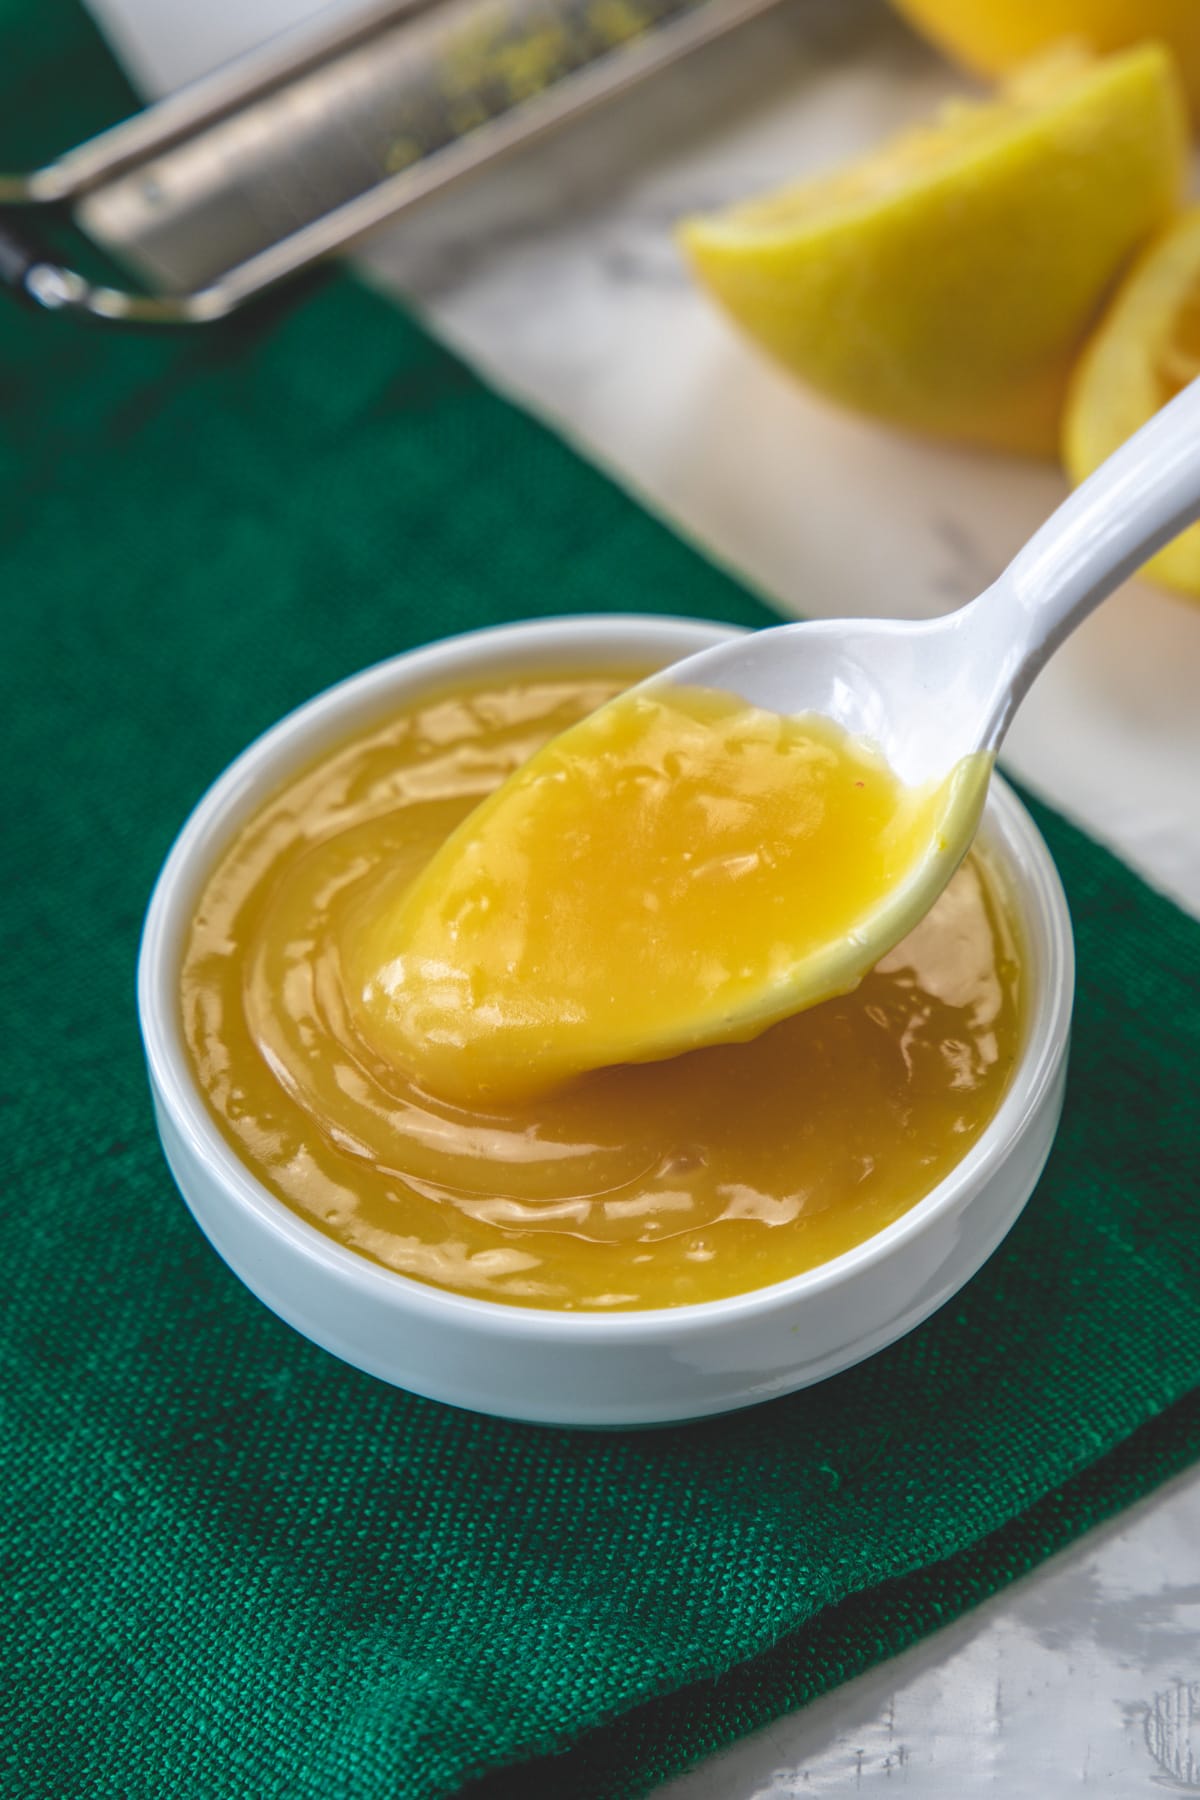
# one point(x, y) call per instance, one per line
point(19, 252)
point(32, 273)
point(292, 156)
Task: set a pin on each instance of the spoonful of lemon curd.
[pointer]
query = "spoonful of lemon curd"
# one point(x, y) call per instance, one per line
point(744, 834)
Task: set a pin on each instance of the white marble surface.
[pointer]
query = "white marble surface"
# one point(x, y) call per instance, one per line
point(556, 276)
point(1084, 1675)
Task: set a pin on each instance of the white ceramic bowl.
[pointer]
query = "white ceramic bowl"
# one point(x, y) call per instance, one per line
point(632, 1368)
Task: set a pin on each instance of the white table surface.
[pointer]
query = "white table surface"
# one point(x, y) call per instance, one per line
point(556, 276)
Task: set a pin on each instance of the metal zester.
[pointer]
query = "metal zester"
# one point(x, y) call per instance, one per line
point(301, 149)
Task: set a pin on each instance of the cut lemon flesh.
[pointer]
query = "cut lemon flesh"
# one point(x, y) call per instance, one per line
point(945, 281)
point(1145, 349)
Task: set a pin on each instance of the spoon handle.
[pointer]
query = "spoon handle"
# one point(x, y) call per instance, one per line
point(1135, 502)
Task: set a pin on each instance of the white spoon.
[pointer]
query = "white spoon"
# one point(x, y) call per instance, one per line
point(488, 974)
point(939, 694)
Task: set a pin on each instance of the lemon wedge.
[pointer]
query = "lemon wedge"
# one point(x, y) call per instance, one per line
point(946, 281)
point(1146, 348)
point(994, 36)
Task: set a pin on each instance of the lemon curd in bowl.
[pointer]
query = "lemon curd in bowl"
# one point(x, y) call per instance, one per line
point(648, 1186)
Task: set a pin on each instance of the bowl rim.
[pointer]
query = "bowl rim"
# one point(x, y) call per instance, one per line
point(327, 717)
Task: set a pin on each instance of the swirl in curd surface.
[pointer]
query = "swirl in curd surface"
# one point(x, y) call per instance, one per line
point(656, 1184)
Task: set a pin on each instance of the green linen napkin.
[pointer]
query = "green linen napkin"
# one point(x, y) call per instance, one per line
point(234, 1567)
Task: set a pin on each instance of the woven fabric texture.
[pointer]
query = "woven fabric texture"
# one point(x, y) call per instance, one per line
point(232, 1566)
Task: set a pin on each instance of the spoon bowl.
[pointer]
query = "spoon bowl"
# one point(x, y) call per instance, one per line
point(904, 687)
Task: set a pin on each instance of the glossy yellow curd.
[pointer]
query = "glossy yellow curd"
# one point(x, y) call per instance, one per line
point(672, 872)
point(416, 1071)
